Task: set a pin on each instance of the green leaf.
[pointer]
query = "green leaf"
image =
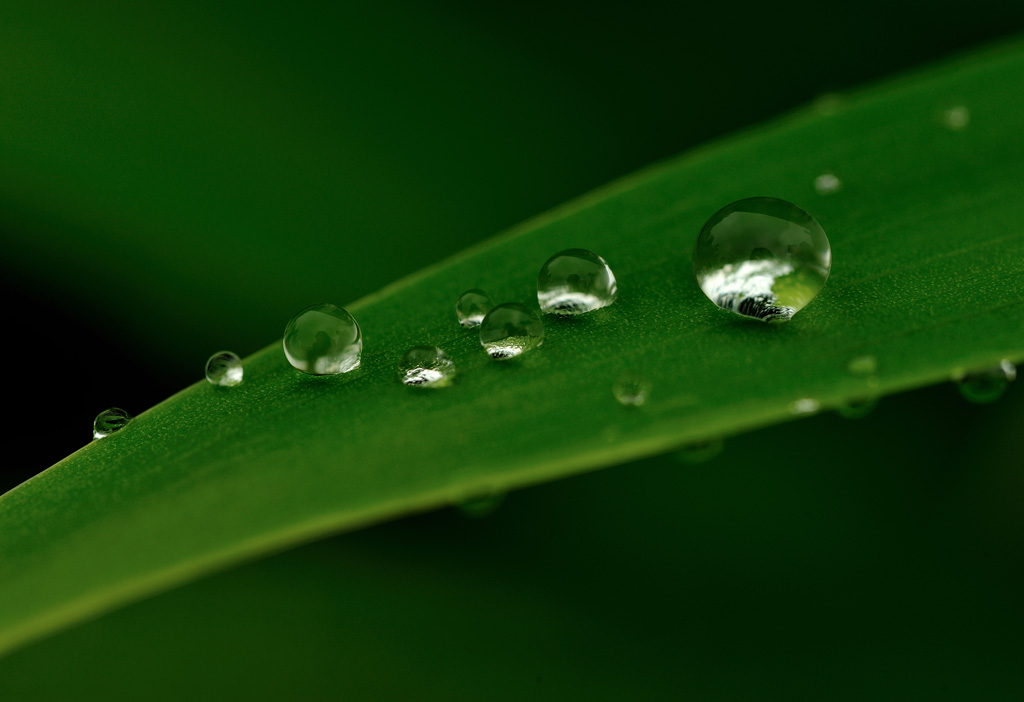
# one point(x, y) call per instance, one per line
point(928, 258)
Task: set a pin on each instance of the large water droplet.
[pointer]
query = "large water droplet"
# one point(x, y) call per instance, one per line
point(224, 368)
point(631, 389)
point(109, 421)
point(827, 183)
point(956, 118)
point(575, 281)
point(426, 367)
point(762, 258)
point(509, 330)
point(472, 306)
point(323, 340)
point(988, 385)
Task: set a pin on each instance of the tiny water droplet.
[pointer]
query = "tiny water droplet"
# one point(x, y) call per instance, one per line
point(109, 421)
point(804, 406)
point(482, 506)
point(700, 452)
point(575, 281)
point(956, 118)
point(855, 409)
point(762, 258)
point(224, 368)
point(426, 367)
point(472, 306)
point(863, 366)
point(510, 330)
point(323, 340)
point(988, 385)
point(827, 183)
point(631, 389)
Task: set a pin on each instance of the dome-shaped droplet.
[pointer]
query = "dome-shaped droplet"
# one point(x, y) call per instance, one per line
point(472, 306)
point(631, 389)
point(510, 330)
point(224, 368)
point(762, 258)
point(575, 281)
point(109, 421)
point(426, 367)
point(323, 340)
point(988, 385)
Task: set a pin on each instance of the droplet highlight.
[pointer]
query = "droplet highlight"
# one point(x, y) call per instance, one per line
point(426, 367)
point(224, 368)
point(472, 306)
point(109, 421)
point(631, 389)
point(323, 340)
point(575, 281)
point(956, 118)
point(827, 184)
point(510, 330)
point(804, 406)
point(762, 258)
point(988, 385)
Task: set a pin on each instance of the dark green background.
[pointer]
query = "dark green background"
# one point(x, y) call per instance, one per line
point(176, 179)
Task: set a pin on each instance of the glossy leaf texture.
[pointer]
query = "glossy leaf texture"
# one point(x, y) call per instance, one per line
point(928, 258)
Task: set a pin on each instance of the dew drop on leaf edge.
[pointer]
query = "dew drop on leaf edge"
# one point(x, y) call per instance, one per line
point(224, 368)
point(984, 386)
point(323, 339)
point(108, 421)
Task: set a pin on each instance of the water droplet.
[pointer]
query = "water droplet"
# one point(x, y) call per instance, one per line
point(631, 389)
point(988, 385)
point(575, 281)
point(323, 340)
point(482, 506)
point(762, 258)
point(863, 366)
point(224, 368)
point(855, 409)
point(426, 367)
point(956, 118)
point(804, 406)
point(700, 452)
point(109, 421)
point(472, 306)
point(509, 330)
point(827, 183)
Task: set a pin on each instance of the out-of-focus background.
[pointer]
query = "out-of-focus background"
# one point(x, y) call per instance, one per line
point(179, 178)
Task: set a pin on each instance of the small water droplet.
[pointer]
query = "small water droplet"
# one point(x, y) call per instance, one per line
point(481, 506)
point(956, 118)
point(827, 183)
point(575, 281)
point(700, 452)
point(426, 367)
point(863, 366)
point(510, 330)
point(804, 406)
point(855, 409)
point(224, 368)
point(988, 385)
point(762, 258)
point(472, 306)
point(631, 389)
point(109, 421)
point(323, 340)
